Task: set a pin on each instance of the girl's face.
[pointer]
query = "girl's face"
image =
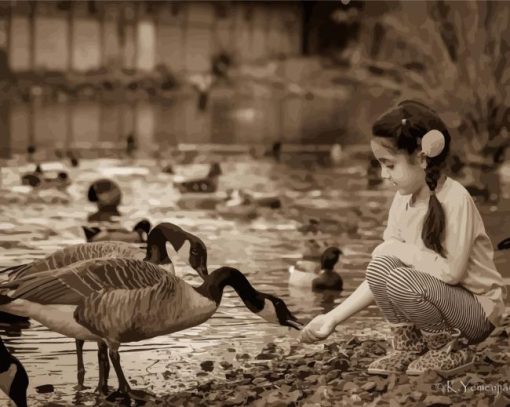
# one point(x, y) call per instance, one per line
point(406, 172)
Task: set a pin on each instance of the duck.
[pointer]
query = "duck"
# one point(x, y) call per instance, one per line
point(504, 244)
point(108, 196)
point(13, 377)
point(40, 179)
point(207, 184)
point(102, 234)
point(263, 200)
point(155, 253)
point(318, 277)
point(114, 301)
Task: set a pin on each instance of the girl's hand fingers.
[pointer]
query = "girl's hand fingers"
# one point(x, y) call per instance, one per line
point(307, 336)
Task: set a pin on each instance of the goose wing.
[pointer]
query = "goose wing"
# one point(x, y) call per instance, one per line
point(71, 254)
point(73, 284)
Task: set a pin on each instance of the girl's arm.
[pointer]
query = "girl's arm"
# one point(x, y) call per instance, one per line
point(323, 325)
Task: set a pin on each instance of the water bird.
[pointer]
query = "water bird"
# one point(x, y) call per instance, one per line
point(73, 159)
point(318, 276)
point(13, 377)
point(107, 196)
point(155, 253)
point(40, 179)
point(207, 184)
point(125, 300)
point(103, 234)
point(30, 152)
point(240, 197)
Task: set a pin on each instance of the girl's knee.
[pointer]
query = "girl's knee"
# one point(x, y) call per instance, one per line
point(398, 284)
point(379, 267)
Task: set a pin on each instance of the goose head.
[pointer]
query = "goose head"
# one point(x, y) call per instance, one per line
point(105, 192)
point(275, 310)
point(330, 257)
point(176, 236)
point(143, 227)
point(267, 306)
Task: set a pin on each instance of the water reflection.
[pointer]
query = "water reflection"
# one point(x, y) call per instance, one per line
point(234, 115)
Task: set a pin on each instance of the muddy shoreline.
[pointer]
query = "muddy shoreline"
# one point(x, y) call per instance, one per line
point(335, 375)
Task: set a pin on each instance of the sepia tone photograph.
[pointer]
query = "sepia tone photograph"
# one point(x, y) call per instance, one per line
point(254, 203)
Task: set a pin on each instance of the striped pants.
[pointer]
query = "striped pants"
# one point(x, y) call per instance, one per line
point(406, 295)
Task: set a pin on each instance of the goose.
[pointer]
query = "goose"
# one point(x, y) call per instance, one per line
point(309, 274)
point(504, 244)
point(103, 234)
point(126, 300)
point(108, 196)
point(13, 377)
point(207, 184)
point(40, 179)
point(105, 192)
point(155, 253)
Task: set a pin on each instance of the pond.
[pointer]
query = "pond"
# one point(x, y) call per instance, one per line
point(35, 223)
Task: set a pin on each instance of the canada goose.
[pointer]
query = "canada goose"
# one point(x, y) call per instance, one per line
point(105, 192)
point(127, 300)
point(207, 184)
point(107, 196)
point(309, 274)
point(102, 234)
point(155, 253)
point(40, 179)
point(13, 377)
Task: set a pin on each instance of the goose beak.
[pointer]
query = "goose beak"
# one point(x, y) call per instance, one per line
point(294, 324)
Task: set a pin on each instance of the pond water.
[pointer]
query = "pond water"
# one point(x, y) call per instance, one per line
point(35, 223)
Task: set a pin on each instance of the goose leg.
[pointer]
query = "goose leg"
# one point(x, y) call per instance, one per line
point(124, 387)
point(104, 368)
point(81, 366)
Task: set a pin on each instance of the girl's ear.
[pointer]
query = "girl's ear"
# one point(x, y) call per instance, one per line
point(422, 159)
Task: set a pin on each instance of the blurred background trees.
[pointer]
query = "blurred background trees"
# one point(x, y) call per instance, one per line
point(452, 55)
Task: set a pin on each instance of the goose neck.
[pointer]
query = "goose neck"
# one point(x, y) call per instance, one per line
point(227, 276)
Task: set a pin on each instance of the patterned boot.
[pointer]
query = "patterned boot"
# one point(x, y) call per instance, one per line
point(407, 344)
point(445, 355)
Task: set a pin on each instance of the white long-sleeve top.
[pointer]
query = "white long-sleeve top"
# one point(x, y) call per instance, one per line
point(469, 253)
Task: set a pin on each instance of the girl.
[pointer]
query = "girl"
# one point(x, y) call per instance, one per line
point(433, 277)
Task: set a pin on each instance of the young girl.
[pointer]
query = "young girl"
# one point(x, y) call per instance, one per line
point(433, 277)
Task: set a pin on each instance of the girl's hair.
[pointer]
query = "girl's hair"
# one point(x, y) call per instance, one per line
point(404, 126)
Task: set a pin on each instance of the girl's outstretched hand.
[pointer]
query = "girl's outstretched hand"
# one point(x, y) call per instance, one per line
point(317, 329)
